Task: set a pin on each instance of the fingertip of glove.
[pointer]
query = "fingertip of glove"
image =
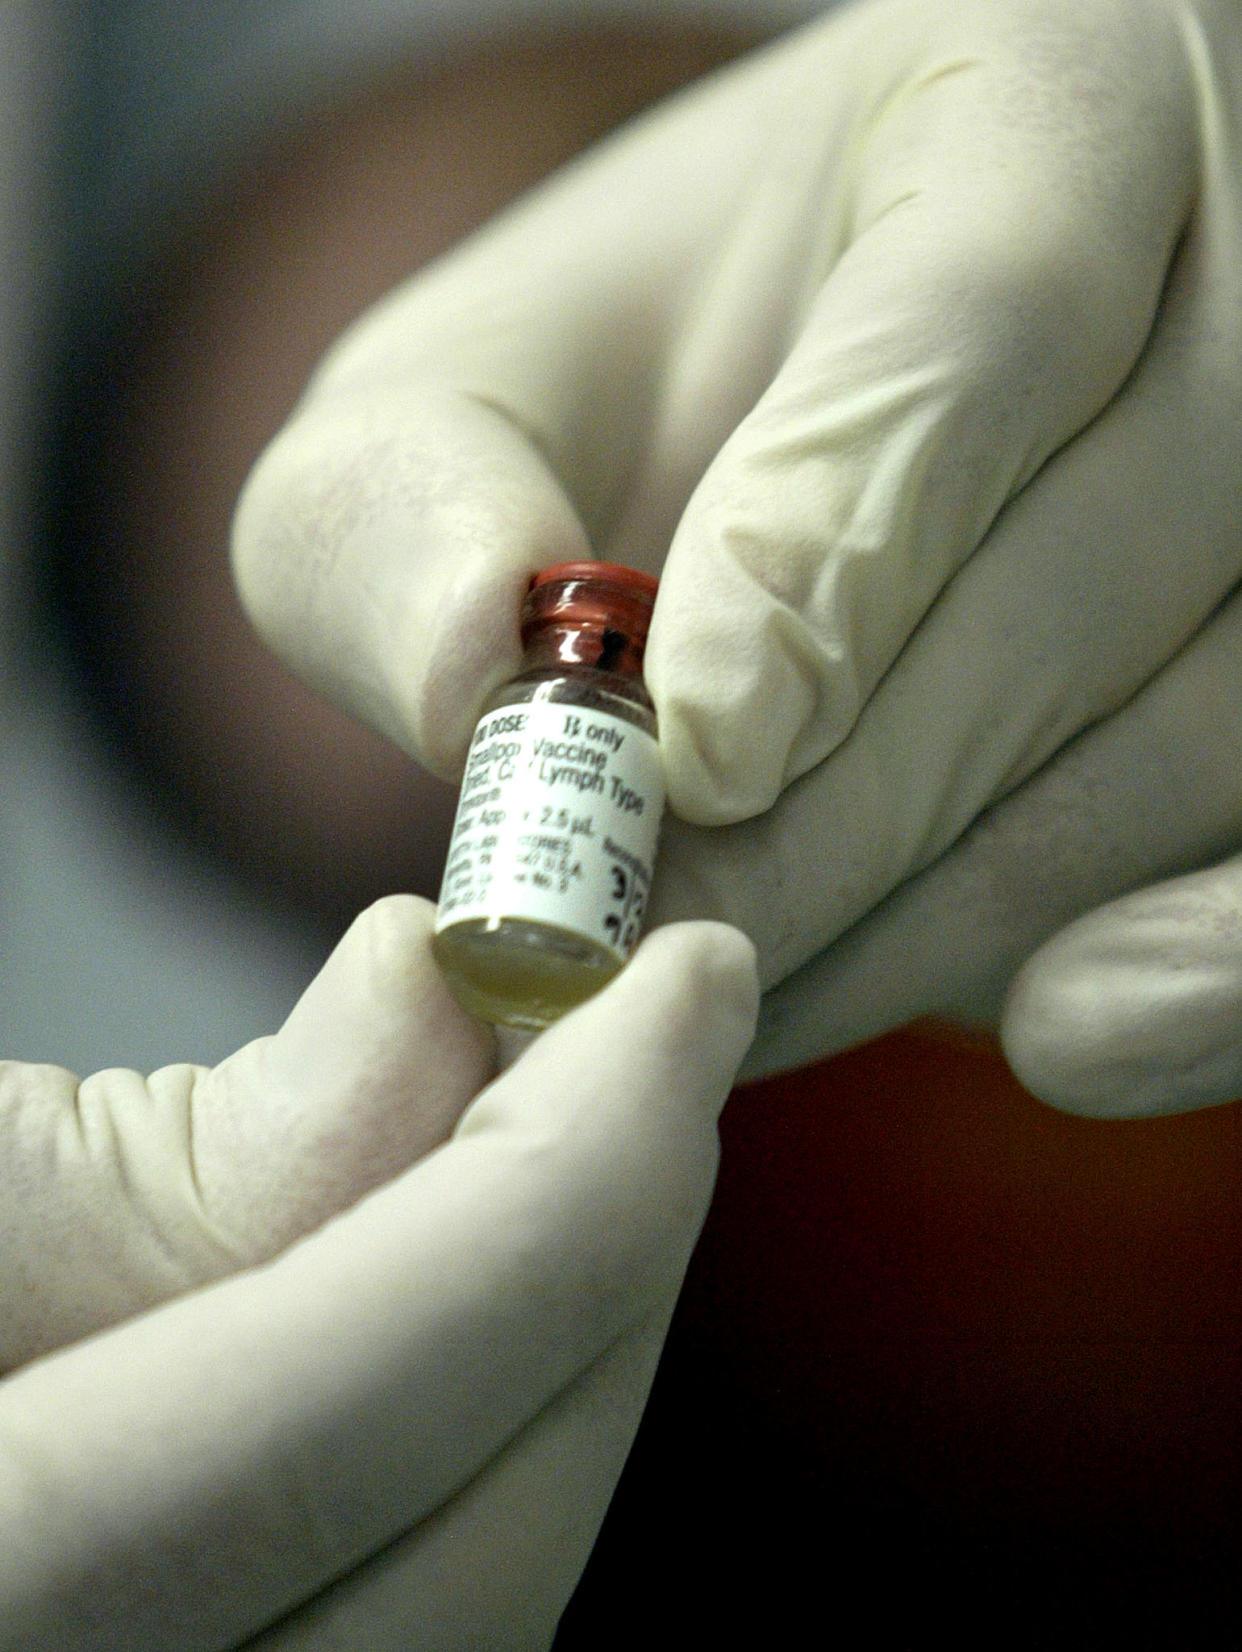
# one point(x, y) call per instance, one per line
point(1063, 1031)
point(724, 759)
point(1107, 1039)
point(382, 984)
point(713, 953)
point(383, 544)
point(739, 721)
point(674, 1023)
point(390, 942)
point(705, 979)
point(1051, 1047)
point(393, 931)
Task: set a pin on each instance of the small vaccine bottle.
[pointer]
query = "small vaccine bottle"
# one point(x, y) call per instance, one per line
point(550, 863)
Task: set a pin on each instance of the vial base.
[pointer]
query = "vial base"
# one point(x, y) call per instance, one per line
point(518, 973)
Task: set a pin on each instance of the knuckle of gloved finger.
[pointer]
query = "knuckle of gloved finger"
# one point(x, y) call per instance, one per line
point(645, 1213)
point(26, 1085)
point(36, 1101)
point(598, 1189)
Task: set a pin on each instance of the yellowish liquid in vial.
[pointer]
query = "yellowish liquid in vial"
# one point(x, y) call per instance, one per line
point(519, 973)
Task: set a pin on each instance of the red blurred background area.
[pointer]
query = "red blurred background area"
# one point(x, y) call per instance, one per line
point(948, 1359)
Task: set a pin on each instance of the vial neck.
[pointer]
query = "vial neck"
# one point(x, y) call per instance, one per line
point(594, 648)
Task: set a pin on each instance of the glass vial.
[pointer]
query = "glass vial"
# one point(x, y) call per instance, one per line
point(550, 862)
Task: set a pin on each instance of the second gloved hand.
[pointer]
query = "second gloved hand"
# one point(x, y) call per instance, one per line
point(403, 1429)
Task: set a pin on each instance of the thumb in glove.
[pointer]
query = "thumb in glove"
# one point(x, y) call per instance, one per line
point(118, 1192)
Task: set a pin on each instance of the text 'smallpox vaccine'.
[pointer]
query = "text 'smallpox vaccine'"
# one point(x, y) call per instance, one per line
point(550, 864)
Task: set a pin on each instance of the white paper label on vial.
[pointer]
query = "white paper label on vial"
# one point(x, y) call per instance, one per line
point(557, 823)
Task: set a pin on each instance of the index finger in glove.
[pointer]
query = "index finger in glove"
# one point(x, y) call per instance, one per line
point(190, 1476)
point(1095, 575)
point(1011, 201)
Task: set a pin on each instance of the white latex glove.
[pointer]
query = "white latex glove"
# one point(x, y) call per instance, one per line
point(917, 339)
point(403, 1429)
point(1137, 1007)
point(1134, 1008)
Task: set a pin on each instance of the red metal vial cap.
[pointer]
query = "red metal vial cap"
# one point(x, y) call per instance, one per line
point(607, 573)
point(593, 596)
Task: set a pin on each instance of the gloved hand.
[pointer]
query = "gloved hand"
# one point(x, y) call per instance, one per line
point(917, 340)
point(1135, 1007)
point(403, 1428)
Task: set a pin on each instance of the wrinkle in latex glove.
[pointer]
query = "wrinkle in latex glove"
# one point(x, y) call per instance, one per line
point(1141, 795)
point(119, 1192)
